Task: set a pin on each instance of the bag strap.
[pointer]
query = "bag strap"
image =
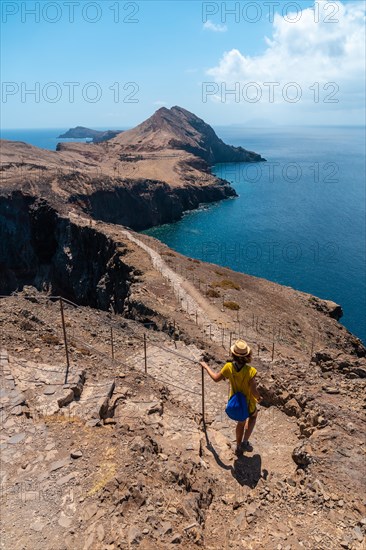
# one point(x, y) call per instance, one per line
point(237, 370)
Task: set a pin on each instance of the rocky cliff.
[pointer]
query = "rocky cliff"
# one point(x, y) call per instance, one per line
point(39, 247)
point(142, 177)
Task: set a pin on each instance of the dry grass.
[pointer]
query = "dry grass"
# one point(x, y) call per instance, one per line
point(50, 339)
point(232, 305)
point(83, 351)
point(226, 283)
point(211, 293)
point(79, 348)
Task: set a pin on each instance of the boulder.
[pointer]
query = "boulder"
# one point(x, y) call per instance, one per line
point(302, 455)
point(327, 307)
point(134, 535)
point(292, 408)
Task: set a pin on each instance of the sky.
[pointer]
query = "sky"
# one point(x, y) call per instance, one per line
point(111, 64)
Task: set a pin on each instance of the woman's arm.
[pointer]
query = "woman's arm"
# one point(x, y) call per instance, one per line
point(216, 376)
point(254, 390)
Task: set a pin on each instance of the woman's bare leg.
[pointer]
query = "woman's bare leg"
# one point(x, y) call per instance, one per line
point(249, 427)
point(239, 432)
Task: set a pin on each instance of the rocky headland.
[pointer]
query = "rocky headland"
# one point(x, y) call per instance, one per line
point(97, 136)
point(143, 177)
point(116, 453)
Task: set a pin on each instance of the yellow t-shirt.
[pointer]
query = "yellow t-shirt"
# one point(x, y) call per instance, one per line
point(239, 381)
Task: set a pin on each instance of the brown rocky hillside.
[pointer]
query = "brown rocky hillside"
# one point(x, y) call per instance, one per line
point(117, 458)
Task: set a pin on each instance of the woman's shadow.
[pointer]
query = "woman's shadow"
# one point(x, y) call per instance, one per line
point(247, 470)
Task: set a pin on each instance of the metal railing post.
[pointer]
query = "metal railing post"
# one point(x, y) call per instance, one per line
point(203, 395)
point(145, 354)
point(312, 346)
point(112, 344)
point(65, 340)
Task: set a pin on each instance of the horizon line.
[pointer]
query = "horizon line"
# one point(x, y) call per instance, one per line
point(234, 124)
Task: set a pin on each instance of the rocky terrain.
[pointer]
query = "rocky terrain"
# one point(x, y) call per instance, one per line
point(97, 136)
point(106, 441)
point(117, 458)
point(143, 177)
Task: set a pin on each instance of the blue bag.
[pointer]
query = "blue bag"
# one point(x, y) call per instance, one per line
point(237, 407)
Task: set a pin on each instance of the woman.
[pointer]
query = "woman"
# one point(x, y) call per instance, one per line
point(242, 378)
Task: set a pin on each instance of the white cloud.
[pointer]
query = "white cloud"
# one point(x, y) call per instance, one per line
point(210, 26)
point(159, 102)
point(306, 52)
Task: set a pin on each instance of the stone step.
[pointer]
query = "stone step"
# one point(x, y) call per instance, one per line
point(45, 385)
point(12, 400)
point(93, 404)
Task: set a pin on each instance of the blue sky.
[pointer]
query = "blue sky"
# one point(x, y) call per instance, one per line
point(126, 59)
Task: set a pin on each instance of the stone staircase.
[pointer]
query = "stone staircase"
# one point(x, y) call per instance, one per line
point(39, 390)
point(12, 400)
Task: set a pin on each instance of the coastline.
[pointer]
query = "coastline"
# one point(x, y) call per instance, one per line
point(174, 211)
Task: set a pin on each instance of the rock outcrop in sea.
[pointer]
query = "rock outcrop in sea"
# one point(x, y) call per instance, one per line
point(97, 136)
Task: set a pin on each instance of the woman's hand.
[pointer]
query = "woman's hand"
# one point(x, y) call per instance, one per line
point(254, 390)
point(216, 376)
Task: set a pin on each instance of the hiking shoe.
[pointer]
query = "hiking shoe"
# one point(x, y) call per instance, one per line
point(238, 451)
point(246, 446)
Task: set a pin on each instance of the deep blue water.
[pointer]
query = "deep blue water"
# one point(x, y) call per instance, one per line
point(299, 219)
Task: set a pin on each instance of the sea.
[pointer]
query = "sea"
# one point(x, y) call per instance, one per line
point(298, 220)
point(46, 138)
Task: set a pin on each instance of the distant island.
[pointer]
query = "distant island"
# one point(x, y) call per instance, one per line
point(97, 136)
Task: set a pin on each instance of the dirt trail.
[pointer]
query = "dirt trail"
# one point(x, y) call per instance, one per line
point(207, 313)
point(262, 499)
point(276, 434)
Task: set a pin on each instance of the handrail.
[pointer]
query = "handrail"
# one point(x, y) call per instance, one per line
point(114, 324)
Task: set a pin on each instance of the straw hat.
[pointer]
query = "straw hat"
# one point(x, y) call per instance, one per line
point(240, 349)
